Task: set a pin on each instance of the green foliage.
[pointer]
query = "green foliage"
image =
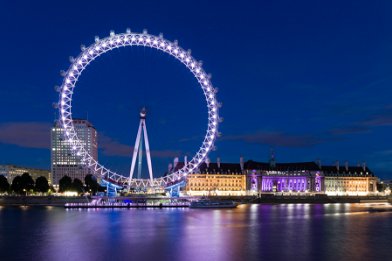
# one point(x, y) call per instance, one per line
point(77, 185)
point(22, 184)
point(41, 185)
point(65, 184)
point(91, 183)
point(16, 185)
point(4, 185)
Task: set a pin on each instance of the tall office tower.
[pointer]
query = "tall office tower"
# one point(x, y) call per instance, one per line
point(64, 162)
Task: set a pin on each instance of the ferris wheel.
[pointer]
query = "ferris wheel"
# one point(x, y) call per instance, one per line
point(101, 46)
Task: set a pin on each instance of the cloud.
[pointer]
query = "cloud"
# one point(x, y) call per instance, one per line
point(382, 117)
point(112, 147)
point(278, 139)
point(26, 134)
point(349, 130)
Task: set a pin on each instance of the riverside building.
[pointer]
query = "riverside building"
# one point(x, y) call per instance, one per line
point(11, 171)
point(215, 179)
point(63, 161)
point(251, 177)
point(309, 177)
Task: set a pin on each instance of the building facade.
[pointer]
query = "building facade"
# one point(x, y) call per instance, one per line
point(349, 180)
point(11, 171)
point(216, 179)
point(63, 160)
point(309, 177)
point(284, 177)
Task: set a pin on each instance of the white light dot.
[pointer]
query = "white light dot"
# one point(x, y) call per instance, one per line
point(84, 56)
point(79, 62)
point(205, 82)
point(118, 40)
point(197, 70)
point(71, 74)
point(148, 40)
point(63, 95)
point(169, 47)
point(175, 51)
point(97, 48)
point(133, 38)
point(182, 55)
point(68, 81)
point(104, 44)
point(75, 67)
point(91, 52)
point(111, 42)
point(202, 76)
point(155, 42)
point(187, 59)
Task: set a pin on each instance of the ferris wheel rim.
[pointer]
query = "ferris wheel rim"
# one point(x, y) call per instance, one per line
point(130, 39)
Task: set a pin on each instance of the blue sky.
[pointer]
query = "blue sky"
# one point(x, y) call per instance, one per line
point(308, 79)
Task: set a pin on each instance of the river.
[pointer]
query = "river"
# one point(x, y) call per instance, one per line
point(249, 232)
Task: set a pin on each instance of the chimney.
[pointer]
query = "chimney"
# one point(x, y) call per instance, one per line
point(218, 162)
point(318, 162)
point(364, 166)
point(175, 162)
point(337, 165)
point(272, 160)
point(346, 165)
point(242, 163)
point(207, 162)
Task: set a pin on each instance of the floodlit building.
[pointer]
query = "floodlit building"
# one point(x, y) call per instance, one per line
point(349, 180)
point(11, 171)
point(63, 161)
point(284, 177)
point(216, 179)
point(309, 177)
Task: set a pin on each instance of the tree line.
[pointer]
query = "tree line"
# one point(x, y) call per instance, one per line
point(25, 185)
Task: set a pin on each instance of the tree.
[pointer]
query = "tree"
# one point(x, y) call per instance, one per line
point(91, 183)
point(41, 185)
point(16, 185)
point(65, 184)
point(77, 185)
point(27, 182)
point(4, 185)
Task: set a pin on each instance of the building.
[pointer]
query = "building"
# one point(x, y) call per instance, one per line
point(11, 171)
point(215, 179)
point(63, 161)
point(349, 180)
point(309, 177)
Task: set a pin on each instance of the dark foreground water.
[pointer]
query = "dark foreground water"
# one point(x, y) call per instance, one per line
point(250, 232)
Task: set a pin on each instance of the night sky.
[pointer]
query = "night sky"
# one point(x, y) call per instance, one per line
point(307, 79)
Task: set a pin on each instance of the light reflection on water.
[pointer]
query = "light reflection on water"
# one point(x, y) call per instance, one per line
point(249, 232)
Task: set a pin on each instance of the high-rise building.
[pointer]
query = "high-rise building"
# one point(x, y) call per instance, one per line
point(64, 162)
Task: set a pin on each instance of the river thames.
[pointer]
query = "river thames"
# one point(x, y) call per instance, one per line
point(249, 232)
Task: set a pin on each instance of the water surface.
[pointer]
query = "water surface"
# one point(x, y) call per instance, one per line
point(250, 232)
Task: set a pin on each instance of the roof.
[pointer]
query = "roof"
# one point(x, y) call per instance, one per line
point(231, 168)
point(292, 166)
